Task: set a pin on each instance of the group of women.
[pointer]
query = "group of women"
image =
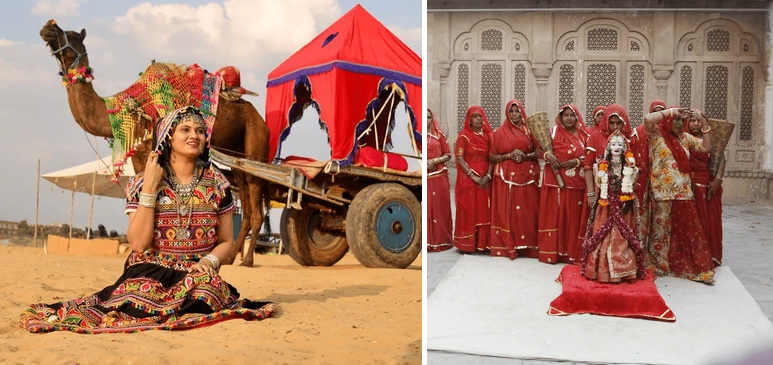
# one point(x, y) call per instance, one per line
point(613, 199)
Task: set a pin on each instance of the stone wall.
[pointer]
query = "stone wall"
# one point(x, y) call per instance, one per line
point(713, 60)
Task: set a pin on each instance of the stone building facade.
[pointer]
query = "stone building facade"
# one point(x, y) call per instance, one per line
point(717, 60)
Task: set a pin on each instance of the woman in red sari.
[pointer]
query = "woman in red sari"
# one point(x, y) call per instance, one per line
point(514, 191)
point(560, 208)
point(677, 242)
point(707, 189)
point(598, 116)
point(615, 118)
point(439, 223)
point(473, 213)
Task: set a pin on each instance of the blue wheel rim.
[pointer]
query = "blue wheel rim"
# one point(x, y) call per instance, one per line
point(395, 227)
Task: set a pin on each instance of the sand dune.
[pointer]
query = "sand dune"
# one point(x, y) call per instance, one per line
point(341, 314)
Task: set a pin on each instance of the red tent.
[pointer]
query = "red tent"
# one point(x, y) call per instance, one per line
point(341, 73)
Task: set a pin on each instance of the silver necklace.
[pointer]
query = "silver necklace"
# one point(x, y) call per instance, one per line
point(184, 200)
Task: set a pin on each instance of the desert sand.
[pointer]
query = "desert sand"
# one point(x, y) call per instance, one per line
point(340, 314)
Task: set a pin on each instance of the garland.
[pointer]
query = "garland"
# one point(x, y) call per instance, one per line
point(82, 75)
point(602, 179)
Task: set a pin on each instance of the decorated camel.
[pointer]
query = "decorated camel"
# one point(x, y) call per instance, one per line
point(239, 128)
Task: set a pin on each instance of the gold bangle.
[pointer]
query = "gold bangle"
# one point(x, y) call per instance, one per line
point(672, 112)
point(706, 131)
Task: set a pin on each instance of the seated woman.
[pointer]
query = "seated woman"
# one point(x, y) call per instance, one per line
point(180, 227)
point(613, 252)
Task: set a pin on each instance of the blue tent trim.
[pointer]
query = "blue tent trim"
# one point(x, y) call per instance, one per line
point(348, 66)
point(363, 124)
point(298, 110)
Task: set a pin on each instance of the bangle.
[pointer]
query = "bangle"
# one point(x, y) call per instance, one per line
point(672, 112)
point(214, 260)
point(469, 172)
point(591, 194)
point(147, 200)
point(706, 131)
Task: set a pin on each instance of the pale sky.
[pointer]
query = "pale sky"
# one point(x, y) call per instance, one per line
point(122, 38)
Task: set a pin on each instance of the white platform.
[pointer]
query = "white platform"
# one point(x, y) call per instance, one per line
point(497, 307)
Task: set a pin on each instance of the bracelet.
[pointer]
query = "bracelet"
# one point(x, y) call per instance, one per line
point(469, 172)
point(706, 131)
point(672, 112)
point(592, 194)
point(214, 260)
point(147, 200)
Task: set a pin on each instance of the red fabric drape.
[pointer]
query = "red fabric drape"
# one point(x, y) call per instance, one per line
point(514, 191)
point(672, 141)
point(473, 212)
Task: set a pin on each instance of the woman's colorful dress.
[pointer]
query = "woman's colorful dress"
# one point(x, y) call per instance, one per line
point(156, 291)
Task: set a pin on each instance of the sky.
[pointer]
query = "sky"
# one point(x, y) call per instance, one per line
point(122, 38)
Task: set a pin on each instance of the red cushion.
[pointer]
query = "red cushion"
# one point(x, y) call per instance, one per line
point(634, 299)
point(372, 157)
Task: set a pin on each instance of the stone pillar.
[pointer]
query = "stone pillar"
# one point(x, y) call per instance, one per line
point(767, 163)
point(541, 74)
point(664, 55)
point(444, 70)
point(542, 55)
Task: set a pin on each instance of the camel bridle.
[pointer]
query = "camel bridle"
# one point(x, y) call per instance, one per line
point(61, 48)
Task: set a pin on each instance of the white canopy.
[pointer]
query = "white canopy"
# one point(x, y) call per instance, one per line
point(79, 178)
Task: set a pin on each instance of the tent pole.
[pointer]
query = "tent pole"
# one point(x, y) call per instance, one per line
point(37, 206)
point(91, 209)
point(72, 203)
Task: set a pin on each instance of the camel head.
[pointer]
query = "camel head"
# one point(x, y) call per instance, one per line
point(66, 46)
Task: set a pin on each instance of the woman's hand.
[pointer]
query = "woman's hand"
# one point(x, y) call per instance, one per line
point(431, 165)
point(518, 155)
point(570, 164)
point(205, 266)
point(153, 174)
point(552, 160)
point(714, 185)
point(484, 181)
point(592, 200)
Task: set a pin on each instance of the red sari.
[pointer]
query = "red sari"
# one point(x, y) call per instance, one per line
point(709, 211)
point(439, 222)
point(560, 208)
point(514, 191)
point(595, 150)
point(473, 205)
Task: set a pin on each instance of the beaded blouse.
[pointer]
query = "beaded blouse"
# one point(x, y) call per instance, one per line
point(180, 240)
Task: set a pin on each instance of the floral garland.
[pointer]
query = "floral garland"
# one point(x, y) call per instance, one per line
point(602, 179)
point(79, 75)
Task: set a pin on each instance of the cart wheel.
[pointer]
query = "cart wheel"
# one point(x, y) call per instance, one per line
point(306, 242)
point(383, 226)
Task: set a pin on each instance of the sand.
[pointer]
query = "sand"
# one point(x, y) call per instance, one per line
point(340, 314)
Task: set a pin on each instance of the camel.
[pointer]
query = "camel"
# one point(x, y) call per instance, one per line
point(239, 130)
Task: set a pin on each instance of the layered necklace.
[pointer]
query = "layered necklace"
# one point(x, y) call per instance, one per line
point(184, 199)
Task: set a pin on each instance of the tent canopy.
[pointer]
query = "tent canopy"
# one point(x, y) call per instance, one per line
point(341, 73)
point(79, 178)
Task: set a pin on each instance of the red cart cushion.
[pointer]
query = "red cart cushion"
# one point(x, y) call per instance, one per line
point(371, 157)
